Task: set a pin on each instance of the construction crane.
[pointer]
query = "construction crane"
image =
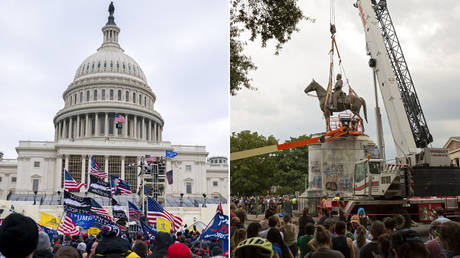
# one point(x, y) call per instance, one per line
point(427, 172)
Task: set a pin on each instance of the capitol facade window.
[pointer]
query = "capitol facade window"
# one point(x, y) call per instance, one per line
point(81, 97)
point(111, 94)
point(127, 96)
point(36, 164)
point(140, 99)
point(188, 168)
point(95, 94)
point(87, 95)
point(119, 95)
point(188, 187)
point(103, 93)
point(134, 97)
point(75, 98)
point(13, 179)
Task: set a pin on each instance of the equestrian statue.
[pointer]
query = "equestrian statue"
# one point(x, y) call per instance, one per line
point(340, 101)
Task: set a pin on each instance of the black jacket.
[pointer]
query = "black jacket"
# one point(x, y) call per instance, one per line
point(160, 245)
point(112, 247)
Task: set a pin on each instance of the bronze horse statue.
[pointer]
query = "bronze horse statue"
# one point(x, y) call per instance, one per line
point(344, 103)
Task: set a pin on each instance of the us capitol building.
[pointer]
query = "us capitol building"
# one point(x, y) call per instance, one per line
point(107, 83)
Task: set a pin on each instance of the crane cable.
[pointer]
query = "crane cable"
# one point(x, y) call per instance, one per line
point(334, 47)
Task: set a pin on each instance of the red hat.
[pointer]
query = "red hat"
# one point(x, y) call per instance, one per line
point(178, 250)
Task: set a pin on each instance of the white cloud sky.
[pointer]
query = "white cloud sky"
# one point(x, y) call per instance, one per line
point(428, 35)
point(182, 47)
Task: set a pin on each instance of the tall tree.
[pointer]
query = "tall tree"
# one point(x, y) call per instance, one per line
point(251, 175)
point(267, 19)
point(292, 167)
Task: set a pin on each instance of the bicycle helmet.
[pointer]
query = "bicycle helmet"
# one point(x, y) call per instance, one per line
point(254, 247)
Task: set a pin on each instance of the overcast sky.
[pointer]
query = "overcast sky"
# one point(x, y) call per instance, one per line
point(182, 47)
point(428, 33)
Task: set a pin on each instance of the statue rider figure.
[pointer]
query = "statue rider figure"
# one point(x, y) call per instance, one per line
point(337, 92)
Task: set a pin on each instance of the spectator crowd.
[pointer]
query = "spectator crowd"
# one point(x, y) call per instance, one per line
point(278, 235)
point(20, 237)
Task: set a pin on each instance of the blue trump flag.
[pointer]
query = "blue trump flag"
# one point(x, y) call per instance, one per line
point(149, 233)
point(170, 154)
point(50, 232)
point(82, 220)
point(218, 229)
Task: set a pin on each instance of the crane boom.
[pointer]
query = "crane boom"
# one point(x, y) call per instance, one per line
point(405, 115)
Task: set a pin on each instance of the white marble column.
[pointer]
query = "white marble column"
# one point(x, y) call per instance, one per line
point(58, 172)
point(114, 125)
point(88, 168)
point(86, 125)
point(60, 130)
point(70, 128)
point(125, 127)
point(96, 125)
point(123, 158)
point(106, 168)
point(83, 159)
point(160, 133)
point(64, 129)
point(142, 131)
point(149, 131)
point(106, 125)
point(155, 138)
point(78, 127)
point(135, 127)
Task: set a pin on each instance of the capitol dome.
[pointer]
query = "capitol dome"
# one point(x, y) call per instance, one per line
point(108, 86)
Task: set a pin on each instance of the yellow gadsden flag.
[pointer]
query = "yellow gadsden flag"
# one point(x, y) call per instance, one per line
point(163, 225)
point(49, 220)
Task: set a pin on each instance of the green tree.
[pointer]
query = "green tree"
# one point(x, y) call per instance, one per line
point(292, 167)
point(267, 19)
point(251, 175)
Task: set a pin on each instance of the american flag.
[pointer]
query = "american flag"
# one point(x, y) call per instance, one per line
point(68, 227)
point(119, 186)
point(219, 209)
point(119, 118)
point(156, 211)
point(134, 212)
point(96, 170)
point(70, 183)
point(150, 158)
point(97, 208)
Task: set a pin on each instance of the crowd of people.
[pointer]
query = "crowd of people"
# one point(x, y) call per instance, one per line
point(331, 235)
point(20, 237)
point(255, 205)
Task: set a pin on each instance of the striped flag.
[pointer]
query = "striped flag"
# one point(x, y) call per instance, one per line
point(169, 176)
point(70, 183)
point(97, 208)
point(68, 227)
point(219, 209)
point(119, 186)
point(150, 158)
point(96, 170)
point(119, 118)
point(134, 212)
point(155, 210)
